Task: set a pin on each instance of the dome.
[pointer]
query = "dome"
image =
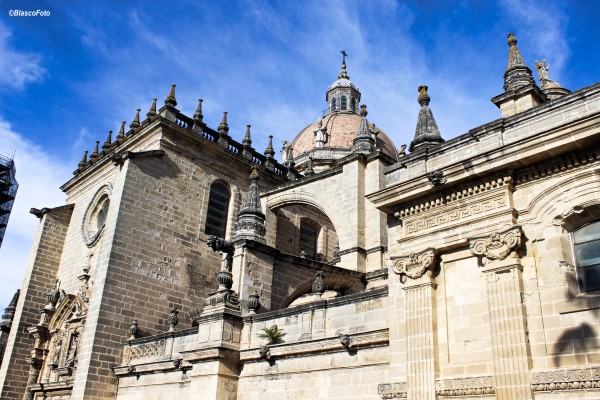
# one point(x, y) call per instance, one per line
point(341, 131)
point(343, 82)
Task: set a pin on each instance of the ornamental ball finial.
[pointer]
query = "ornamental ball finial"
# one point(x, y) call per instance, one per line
point(423, 98)
point(512, 40)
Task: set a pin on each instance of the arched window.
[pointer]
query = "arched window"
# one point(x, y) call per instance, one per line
point(308, 240)
point(344, 103)
point(333, 104)
point(353, 103)
point(216, 215)
point(586, 243)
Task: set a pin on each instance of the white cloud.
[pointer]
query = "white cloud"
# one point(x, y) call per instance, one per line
point(39, 175)
point(17, 68)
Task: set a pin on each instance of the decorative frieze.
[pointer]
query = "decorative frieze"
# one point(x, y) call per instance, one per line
point(414, 266)
point(454, 194)
point(480, 385)
point(566, 379)
point(454, 214)
point(392, 390)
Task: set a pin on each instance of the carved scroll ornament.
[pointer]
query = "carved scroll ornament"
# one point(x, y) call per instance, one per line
point(498, 246)
point(415, 265)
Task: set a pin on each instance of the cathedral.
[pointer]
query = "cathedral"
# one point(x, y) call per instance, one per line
point(188, 265)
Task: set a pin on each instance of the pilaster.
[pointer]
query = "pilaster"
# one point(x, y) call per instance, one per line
point(503, 272)
point(417, 273)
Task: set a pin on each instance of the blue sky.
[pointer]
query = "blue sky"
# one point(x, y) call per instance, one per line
point(66, 79)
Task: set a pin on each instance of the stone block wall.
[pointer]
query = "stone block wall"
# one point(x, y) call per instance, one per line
point(40, 278)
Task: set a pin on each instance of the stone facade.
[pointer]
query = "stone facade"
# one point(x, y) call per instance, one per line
point(450, 272)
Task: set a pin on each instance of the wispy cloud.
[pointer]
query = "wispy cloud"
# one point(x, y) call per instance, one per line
point(39, 175)
point(17, 68)
point(545, 26)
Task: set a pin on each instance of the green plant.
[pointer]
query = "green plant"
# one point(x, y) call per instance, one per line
point(272, 335)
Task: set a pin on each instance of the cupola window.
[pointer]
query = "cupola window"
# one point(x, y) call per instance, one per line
point(353, 103)
point(333, 104)
point(344, 103)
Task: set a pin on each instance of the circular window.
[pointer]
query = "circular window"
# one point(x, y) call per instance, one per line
point(95, 216)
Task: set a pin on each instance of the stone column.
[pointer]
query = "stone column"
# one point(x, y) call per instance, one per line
point(416, 272)
point(507, 312)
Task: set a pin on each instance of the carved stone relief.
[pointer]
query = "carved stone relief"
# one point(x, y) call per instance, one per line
point(497, 246)
point(415, 265)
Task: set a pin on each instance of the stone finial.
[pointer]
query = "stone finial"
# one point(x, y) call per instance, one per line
point(318, 285)
point(107, 143)
point(152, 111)
point(53, 297)
point(309, 170)
point(269, 151)
point(170, 100)
point(247, 140)
point(253, 303)
point(94, 154)
point(427, 133)
point(223, 127)
point(364, 141)
point(136, 120)
point(121, 134)
point(423, 98)
point(173, 319)
point(343, 74)
point(517, 73)
point(9, 313)
point(83, 161)
point(251, 219)
point(198, 117)
point(133, 330)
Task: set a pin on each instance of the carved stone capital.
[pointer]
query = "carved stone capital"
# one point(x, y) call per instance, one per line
point(415, 265)
point(497, 246)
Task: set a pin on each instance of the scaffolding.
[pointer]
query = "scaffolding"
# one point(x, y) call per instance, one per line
point(8, 191)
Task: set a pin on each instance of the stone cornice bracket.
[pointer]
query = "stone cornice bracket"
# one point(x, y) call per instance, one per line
point(415, 265)
point(498, 246)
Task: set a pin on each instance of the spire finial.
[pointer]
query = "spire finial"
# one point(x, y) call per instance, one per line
point(269, 151)
point(517, 73)
point(107, 142)
point(247, 140)
point(121, 133)
point(223, 127)
point(83, 161)
point(170, 100)
point(198, 117)
point(427, 132)
point(152, 111)
point(9, 312)
point(423, 98)
point(94, 154)
point(136, 120)
point(363, 110)
point(251, 219)
point(343, 74)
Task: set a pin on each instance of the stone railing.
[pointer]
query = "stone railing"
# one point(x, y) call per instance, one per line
point(158, 347)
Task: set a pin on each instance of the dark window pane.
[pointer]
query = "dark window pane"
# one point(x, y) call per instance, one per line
point(344, 103)
point(588, 253)
point(333, 104)
point(587, 233)
point(308, 240)
point(590, 278)
point(218, 204)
